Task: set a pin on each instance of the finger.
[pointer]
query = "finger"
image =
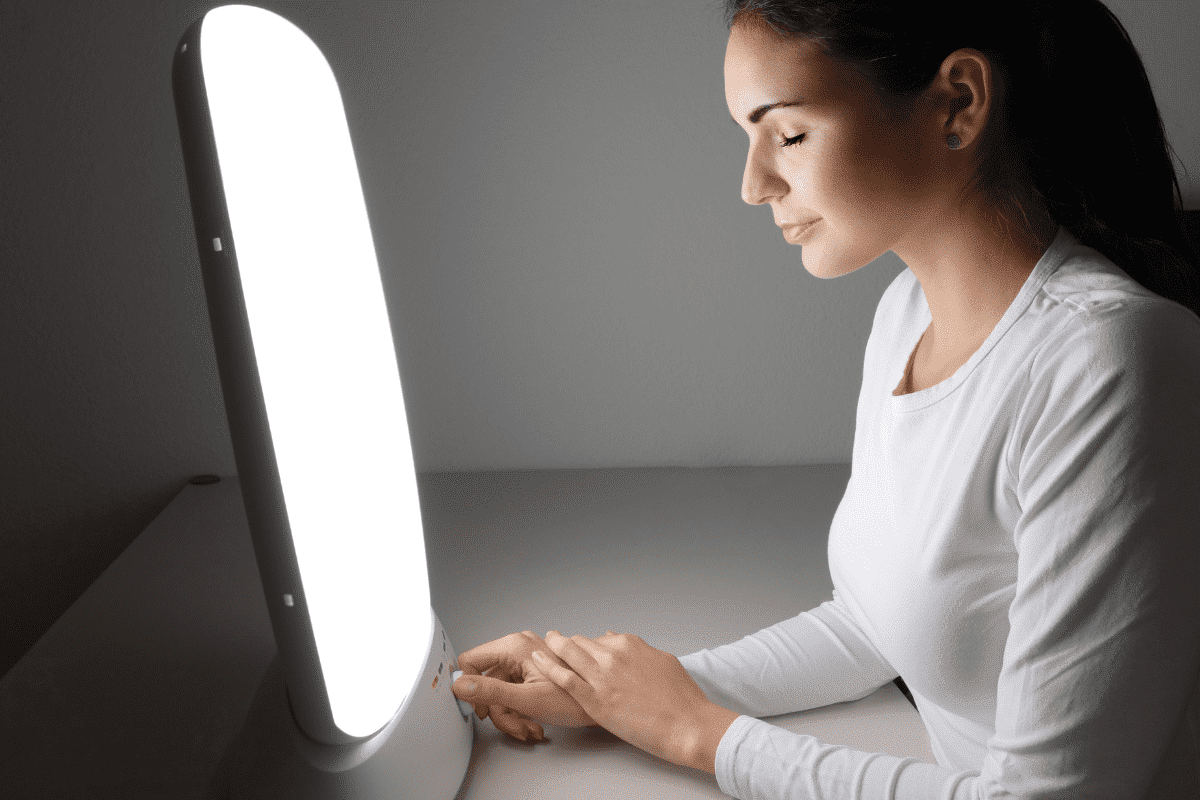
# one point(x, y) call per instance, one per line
point(501, 673)
point(464, 689)
point(467, 663)
point(504, 674)
point(570, 681)
point(545, 651)
point(515, 725)
point(497, 651)
point(507, 722)
point(538, 699)
point(494, 696)
point(470, 669)
point(579, 652)
point(512, 728)
point(527, 730)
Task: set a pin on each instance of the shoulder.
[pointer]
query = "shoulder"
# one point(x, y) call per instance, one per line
point(1095, 320)
point(1108, 354)
point(1113, 382)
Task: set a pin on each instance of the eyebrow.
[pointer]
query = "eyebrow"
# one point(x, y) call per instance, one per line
point(757, 114)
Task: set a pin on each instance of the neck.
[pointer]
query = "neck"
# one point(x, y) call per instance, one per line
point(970, 272)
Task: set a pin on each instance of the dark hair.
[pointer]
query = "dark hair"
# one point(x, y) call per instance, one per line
point(1074, 132)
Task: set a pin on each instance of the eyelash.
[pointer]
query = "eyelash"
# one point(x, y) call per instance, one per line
point(792, 141)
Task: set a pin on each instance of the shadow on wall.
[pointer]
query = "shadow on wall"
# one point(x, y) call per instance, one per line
point(1190, 222)
point(44, 572)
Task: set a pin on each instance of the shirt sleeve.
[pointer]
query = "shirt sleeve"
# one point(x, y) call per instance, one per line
point(1103, 650)
point(816, 658)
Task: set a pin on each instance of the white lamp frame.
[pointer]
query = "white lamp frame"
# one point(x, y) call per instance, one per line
point(291, 744)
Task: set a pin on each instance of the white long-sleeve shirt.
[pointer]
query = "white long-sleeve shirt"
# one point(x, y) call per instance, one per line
point(1021, 542)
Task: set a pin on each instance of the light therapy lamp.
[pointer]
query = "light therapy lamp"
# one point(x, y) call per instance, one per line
point(357, 702)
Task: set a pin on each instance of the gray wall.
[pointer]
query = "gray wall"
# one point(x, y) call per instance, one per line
point(554, 192)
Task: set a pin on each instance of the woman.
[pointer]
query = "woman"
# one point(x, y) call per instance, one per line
point(1019, 538)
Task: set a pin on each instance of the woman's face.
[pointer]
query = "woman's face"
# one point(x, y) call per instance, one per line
point(872, 179)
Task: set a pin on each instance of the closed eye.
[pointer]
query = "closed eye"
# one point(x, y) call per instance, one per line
point(792, 141)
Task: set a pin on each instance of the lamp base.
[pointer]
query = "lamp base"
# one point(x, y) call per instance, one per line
point(422, 753)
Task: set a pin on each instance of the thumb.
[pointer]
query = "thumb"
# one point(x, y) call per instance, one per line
point(540, 701)
point(480, 689)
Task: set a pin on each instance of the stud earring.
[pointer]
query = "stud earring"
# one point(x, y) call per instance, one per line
point(953, 141)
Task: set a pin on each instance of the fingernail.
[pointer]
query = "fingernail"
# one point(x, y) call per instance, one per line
point(539, 655)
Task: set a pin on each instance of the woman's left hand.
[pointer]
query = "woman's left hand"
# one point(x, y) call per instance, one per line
point(641, 694)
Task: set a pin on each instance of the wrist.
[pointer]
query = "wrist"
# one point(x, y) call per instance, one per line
point(713, 725)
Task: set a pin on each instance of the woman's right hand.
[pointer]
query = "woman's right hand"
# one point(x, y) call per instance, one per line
point(513, 691)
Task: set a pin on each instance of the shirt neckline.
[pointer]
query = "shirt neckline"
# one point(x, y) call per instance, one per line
point(1049, 262)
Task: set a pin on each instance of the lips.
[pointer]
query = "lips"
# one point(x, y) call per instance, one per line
point(796, 229)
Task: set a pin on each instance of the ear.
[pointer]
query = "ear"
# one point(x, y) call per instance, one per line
point(964, 94)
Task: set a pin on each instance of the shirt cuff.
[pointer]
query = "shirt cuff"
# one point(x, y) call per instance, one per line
point(735, 734)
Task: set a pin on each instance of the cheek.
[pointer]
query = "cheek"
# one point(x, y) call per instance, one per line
point(880, 176)
point(850, 180)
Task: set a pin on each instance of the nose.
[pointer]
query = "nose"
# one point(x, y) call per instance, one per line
point(760, 181)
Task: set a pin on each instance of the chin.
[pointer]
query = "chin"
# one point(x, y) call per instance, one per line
point(821, 263)
point(818, 269)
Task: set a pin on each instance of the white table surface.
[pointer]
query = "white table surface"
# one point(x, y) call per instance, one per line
point(137, 689)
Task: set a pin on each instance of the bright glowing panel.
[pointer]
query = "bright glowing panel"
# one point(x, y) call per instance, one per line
point(325, 356)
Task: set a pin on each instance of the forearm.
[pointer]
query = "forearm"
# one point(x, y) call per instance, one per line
point(814, 659)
